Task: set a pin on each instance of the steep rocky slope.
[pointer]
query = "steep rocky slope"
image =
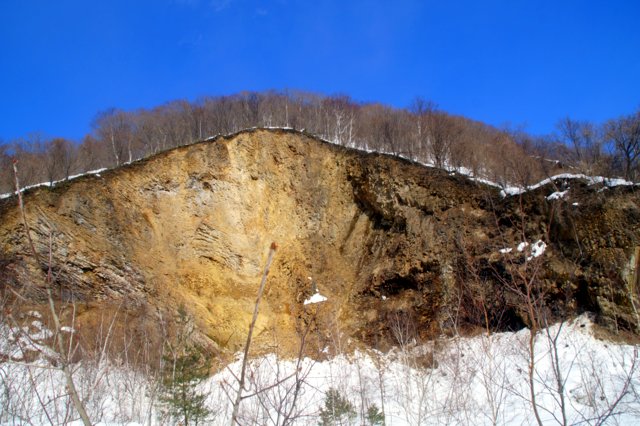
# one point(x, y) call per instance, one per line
point(385, 240)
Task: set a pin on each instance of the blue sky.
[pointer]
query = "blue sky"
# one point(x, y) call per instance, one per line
point(511, 62)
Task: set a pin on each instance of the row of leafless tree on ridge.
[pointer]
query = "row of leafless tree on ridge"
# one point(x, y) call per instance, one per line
point(421, 132)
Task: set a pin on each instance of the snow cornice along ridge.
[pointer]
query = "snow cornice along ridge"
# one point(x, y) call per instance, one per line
point(591, 180)
point(505, 190)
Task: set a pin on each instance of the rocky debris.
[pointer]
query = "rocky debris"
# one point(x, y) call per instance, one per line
point(382, 237)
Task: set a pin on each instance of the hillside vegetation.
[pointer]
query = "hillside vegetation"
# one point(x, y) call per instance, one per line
point(421, 132)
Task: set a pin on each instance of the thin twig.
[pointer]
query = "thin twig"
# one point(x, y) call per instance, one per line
point(245, 358)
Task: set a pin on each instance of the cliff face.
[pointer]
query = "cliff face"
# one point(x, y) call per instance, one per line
point(381, 238)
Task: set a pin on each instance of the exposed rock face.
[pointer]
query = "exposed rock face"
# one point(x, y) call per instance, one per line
point(378, 235)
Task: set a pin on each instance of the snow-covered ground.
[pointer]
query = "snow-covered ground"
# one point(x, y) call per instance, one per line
point(479, 380)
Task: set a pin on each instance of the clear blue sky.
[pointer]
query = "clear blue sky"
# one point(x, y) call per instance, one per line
point(522, 62)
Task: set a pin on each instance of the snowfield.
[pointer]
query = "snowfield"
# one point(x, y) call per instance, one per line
point(482, 380)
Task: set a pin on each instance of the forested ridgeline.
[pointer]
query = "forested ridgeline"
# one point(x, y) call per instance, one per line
point(421, 132)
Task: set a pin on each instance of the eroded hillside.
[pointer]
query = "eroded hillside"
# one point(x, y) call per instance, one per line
point(383, 239)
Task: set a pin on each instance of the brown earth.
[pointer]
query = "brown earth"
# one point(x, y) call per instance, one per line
point(388, 242)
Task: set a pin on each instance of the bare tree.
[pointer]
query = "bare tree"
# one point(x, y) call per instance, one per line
point(92, 154)
point(62, 356)
point(6, 177)
point(116, 128)
point(60, 159)
point(30, 153)
point(624, 133)
point(585, 142)
point(149, 133)
point(442, 133)
point(245, 358)
point(422, 109)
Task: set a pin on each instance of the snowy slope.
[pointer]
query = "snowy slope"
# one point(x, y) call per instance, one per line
point(480, 380)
